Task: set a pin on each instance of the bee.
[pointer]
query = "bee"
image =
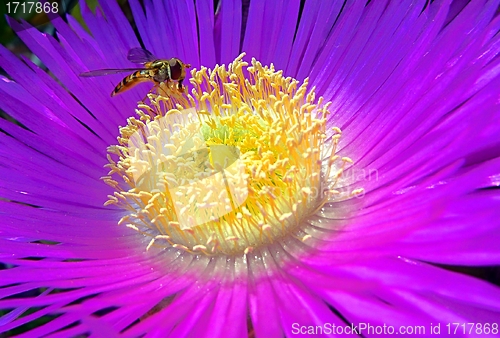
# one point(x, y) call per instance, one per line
point(155, 70)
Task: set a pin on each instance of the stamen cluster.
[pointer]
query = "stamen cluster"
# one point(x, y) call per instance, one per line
point(237, 164)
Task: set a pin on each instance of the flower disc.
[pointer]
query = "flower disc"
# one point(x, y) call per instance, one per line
point(238, 164)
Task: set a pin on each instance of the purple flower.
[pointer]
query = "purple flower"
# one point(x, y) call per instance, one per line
point(350, 202)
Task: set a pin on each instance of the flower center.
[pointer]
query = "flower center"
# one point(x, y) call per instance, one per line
point(238, 164)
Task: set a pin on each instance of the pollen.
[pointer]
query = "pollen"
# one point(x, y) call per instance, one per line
point(238, 163)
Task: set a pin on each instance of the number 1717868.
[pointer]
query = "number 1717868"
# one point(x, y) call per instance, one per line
point(471, 328)
point(32, 7)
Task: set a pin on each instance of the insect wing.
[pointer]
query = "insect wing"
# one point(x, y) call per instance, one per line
point(102, 72)
point(140, 55)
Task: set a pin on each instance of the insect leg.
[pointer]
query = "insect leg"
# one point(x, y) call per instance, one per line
point(169, 73)
point(160, 88)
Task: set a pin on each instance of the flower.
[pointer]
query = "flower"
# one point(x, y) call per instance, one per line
point(398, 172)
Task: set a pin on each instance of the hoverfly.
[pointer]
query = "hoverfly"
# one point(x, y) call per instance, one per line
point(156, 70)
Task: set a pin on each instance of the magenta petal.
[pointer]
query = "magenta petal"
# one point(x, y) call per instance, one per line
point(415, 295)
point(263, 304)
point(231, 304)
point(227, 31)
point(205, 15)
point(311, 34)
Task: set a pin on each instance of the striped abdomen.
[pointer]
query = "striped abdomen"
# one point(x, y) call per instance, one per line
point(132, 80)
